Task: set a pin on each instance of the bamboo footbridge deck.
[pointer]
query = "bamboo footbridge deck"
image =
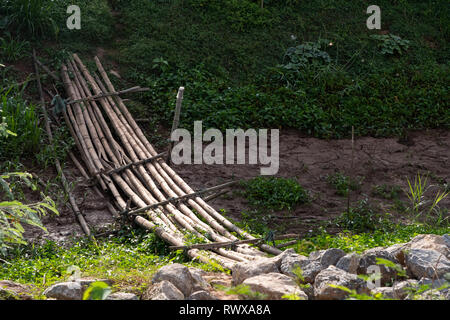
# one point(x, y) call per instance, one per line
point(138, 180)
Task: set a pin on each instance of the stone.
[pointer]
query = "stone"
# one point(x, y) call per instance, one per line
point(336, 276)
point(163, 290)
point(369, 258)
point(387, 292)
point(10, 290)
point(199, 283)
point(65, 291)
point(122, 296)
point(427, 263)
point(349, 263)
point(401, 288)
point(430, 242)
point(310, 271)
point(245, 270)
point(441, 285)
point(85, 283)
point(201, 295)
point(327, 257)
point(398, 252)
point(446, 238)
point(290, 262)
point(178, 275)
point(274, 285)
point(8, 295)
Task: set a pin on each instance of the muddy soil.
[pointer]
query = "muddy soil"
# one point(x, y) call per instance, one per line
point(376, 162)
point(309, 160)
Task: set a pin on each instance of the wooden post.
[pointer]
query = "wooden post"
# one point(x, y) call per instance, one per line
point(176, 120)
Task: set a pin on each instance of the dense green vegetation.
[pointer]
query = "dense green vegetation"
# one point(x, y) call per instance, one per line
point(311, 65)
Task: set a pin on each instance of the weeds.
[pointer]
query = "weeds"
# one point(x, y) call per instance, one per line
point(363, 217)
point(343, 183)
point(421, 206)
point(274, 193)
point(21, 118)
point(12, 49)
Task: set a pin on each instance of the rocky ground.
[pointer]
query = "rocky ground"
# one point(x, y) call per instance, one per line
point(419, 269)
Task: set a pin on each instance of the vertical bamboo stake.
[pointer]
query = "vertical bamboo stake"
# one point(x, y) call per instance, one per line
point(176, 121)
point(351, 168)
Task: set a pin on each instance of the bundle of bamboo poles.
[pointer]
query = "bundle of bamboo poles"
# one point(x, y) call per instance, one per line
point(108, 138)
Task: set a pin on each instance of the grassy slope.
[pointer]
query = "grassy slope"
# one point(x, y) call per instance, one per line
point(226, 54)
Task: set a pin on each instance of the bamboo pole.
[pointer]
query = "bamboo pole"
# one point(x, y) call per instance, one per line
point(168, 173)
point(102, 95)
point(137, 148)
point(65, 184)
point(176, 120)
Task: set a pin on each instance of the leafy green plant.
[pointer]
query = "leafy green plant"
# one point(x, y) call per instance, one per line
point(244, 292)
point(363, 218)
point(343, 183)
point(310, 52)
point(354, 295)
point(160, 64)
point(274, 193)
point(21, 118)
point(13, 214)
point(386, 192)
point(391, 44)
point(98, 290)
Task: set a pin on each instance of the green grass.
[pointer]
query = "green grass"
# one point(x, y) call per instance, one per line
point(359, 242)
point(129, 258)
point(234, 60)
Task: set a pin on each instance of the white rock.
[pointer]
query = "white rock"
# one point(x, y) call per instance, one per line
point(178, 275)
point(122, 296)
point(201, 295)
point(198, 282)
point(274, 285)
point(310, 270)
point(327, 257)
point(290, 262)
point(245, 270)
point(349, 263)
point(427, 263)
point(401, 288)
point(430, 242)
point(65, 291)
point(336, 276)
point(387, 292)
point(369, 258)
point(163, 290)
